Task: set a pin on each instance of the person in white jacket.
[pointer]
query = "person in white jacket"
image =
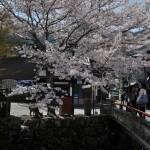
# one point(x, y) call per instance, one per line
point(142, 91)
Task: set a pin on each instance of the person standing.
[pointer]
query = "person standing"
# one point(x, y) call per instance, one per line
point(124, 96)
point(142, 99)
point(133, 94)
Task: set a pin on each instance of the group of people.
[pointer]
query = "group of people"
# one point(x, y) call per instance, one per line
point(135, 96)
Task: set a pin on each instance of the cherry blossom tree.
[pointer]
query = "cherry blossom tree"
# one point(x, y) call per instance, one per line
point(5, 30)
point(79, 37)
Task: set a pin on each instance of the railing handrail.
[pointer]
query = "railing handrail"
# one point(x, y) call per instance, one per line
point(132, 108)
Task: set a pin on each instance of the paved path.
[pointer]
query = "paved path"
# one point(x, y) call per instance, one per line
point(18, 109)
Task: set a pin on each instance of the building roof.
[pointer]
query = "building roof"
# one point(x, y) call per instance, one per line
point(16, 68)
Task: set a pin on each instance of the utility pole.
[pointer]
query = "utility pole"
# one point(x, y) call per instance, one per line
point(93, 98)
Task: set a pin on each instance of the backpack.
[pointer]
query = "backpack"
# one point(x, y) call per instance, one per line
point(143, 100)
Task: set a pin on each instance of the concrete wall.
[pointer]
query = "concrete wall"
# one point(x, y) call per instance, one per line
point(76, 133)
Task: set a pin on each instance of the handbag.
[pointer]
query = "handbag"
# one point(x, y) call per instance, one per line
point(143, 100)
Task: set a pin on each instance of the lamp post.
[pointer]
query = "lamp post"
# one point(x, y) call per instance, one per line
point(93, 97)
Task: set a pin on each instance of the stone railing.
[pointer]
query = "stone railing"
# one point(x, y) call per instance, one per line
point(137, 127)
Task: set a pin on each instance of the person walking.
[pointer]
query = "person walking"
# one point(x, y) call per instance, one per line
point(133, 94)
point(124, 96)
point(142, 99)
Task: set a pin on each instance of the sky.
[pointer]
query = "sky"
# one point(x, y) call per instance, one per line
point(134, 1)
point(141, 2)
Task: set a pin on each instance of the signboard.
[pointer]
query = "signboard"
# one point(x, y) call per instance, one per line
point(9, 84)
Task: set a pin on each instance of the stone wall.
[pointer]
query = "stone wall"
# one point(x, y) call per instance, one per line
point(9, 131)
point(76, 133)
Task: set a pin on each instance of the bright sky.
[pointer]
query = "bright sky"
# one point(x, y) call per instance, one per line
point(132, 2)
point(138, 1)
